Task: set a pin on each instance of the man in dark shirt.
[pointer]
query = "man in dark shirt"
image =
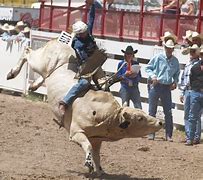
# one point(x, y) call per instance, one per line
point(129, 79)
point(196, 99)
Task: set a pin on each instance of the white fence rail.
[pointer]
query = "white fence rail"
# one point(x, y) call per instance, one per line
point(10, 53)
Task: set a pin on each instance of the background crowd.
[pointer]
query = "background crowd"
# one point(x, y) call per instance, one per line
point(18, 33)
point(164, 75)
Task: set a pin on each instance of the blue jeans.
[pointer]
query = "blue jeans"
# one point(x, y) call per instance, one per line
point(81, 86)
point(162, 92)
point(131, 93)
point(196, 104)
point(186, 117)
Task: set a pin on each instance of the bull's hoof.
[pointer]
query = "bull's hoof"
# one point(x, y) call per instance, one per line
point(10, 75)
point(100, 172)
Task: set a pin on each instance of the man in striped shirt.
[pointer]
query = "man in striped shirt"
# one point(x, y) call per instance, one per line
point(185, 89)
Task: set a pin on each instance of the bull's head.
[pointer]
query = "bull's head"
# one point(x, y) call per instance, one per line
point(136, 123)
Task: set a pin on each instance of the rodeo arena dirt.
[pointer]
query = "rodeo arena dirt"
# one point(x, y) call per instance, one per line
point(33, 147)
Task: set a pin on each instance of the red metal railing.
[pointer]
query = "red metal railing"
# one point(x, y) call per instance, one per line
point(122, 25)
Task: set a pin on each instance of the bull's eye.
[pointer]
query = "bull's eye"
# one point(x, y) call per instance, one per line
point(94, 113)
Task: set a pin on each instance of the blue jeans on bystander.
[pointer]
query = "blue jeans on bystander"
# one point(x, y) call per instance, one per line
point(196, 105)
point(187, 108)
point(131, 93)
point(162, 92)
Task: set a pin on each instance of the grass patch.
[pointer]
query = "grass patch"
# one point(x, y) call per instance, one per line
point(35, 96)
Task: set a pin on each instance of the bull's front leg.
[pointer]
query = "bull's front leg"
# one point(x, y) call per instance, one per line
point(96, 145)
point(82, 140)
point(15, 71)
point(36, 84)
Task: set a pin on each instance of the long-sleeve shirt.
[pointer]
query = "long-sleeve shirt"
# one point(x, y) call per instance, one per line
point(165, 70)
point(85, 47)
point(185, 77)
point(127, 81)
point(196, 76)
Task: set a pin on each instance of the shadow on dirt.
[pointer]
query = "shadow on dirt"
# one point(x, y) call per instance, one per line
point(106, 176)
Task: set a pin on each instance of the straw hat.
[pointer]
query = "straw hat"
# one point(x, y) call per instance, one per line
point(168, 35)
point(201, 49)
point(196, 35)
point(169, 43)
point(194, 47)
point(7, 27)
point(26, 30)
point(20, 23)
point(188, 35)
point(129, 50)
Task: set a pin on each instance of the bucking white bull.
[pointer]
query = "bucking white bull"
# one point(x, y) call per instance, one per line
point(94, 117)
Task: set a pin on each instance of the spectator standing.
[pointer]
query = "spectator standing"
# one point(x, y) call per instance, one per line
point(188, 8)
point(163, 74)
point(7, 32)
point(169, 7)
point(185, 90)
point(196, 100)
point(129, 79)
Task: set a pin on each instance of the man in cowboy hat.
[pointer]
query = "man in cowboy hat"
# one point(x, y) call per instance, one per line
point(129, 78)
point(185, 91)
point(196, 100)
point(7, 29)
point(163, 74)
point(190, 38)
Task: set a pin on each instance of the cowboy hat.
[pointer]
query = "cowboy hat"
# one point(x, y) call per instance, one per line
point(129, 50)
point(25, 30)
point(194, 47)
point(7, 27)
point(20, 23)
point(196, 35)
point(201, 49)
point(169, 43)
point(188, 35)
point(168, 35)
